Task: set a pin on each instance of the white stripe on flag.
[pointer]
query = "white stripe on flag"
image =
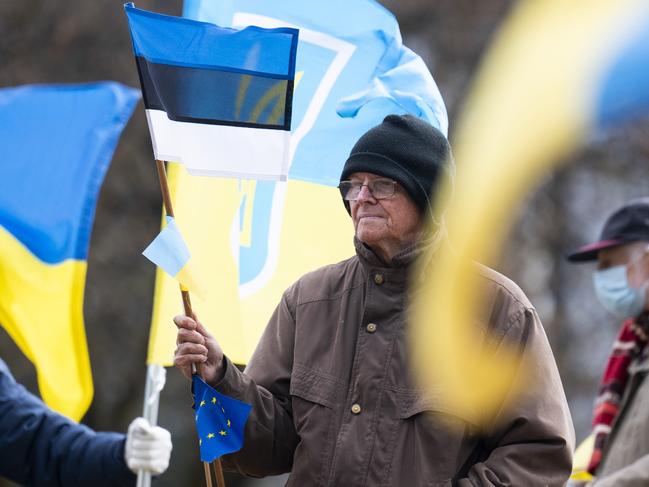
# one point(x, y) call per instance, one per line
point(220, 150)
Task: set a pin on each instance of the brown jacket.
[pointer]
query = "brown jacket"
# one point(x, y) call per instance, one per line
point(626, 457)
point(334, 405)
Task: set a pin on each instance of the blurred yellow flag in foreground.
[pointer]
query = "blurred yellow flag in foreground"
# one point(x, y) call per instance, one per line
point(582, 459)
point(557, 71)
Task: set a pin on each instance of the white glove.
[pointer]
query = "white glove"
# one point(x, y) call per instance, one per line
point(147, 447)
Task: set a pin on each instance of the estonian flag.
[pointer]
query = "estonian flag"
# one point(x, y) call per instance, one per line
point(217, 100)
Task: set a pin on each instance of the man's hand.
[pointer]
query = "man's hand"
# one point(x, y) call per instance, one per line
point(147, 447)
point(196, 346)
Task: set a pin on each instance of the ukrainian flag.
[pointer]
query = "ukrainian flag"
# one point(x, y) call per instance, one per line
point(56, 143)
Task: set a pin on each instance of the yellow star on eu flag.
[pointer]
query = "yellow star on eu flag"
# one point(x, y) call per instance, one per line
point(202, 403)
point(229, 423)
point(223, 433)
point(213, 400)
point(210, 436)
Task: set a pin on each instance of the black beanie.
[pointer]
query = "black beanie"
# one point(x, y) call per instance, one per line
point(404, 148)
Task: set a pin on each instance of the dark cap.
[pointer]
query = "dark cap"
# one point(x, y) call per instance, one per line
point(404, 148)
point(628, 224)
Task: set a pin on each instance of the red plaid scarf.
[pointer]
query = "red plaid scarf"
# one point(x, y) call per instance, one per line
point(629, 345)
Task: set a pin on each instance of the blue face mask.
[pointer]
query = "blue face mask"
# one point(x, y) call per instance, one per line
point(615, 294)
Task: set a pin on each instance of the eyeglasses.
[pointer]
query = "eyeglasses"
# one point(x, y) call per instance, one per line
point(379, 188)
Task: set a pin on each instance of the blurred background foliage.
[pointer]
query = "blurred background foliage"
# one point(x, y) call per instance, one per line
point(61, 41)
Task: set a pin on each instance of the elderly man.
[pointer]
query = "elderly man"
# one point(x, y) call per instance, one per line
point(40, 447)
point(332, 396)
point(621, 417)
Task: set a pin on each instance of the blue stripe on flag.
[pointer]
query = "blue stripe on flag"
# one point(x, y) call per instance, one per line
point(252, 257)
point(182, 42)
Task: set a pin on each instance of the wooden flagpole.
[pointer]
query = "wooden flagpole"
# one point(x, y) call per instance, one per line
point(218, 472)
point(187, 305)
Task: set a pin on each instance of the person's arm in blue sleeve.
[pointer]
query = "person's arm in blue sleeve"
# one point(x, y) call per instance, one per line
point(41, 447)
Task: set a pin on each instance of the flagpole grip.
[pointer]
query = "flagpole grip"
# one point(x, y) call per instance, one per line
point(187, 305)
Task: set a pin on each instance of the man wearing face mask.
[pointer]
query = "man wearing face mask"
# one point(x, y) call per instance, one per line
point(621, 417)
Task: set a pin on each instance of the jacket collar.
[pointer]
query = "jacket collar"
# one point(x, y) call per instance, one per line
point(402, 260)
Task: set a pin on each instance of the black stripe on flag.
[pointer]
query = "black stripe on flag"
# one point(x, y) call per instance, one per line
point(216, 97)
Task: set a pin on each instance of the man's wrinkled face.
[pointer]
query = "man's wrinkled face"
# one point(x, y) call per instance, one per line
point(386, 225)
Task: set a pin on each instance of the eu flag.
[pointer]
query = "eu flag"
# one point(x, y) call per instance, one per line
point(219, 421)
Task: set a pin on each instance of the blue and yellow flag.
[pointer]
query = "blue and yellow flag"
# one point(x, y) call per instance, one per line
point(169, 252)
point(56, 143)
point(220, 421)
point(254, 238)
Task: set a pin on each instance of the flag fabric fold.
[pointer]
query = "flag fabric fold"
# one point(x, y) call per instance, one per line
point(408, 85)
point(220, 421)
point(56, 142)
point(219, 100)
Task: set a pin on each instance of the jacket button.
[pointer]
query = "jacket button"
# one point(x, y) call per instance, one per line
point(371, 328)
point(356, 408)
point(378, 278)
